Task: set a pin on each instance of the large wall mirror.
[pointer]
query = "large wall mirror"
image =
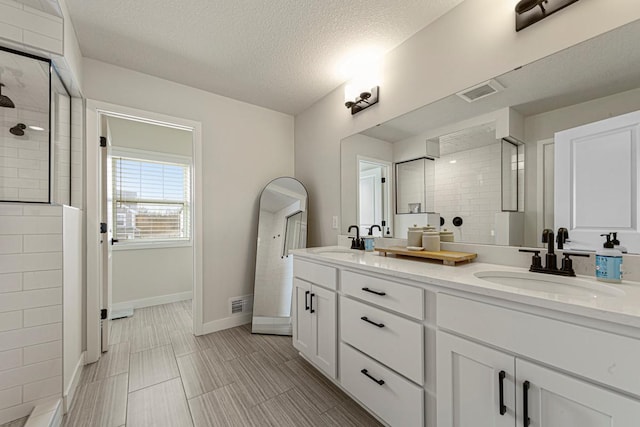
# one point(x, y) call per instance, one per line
point(282, 227)
point(486, 157)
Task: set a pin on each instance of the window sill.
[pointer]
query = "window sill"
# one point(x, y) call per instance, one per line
point(133, 246)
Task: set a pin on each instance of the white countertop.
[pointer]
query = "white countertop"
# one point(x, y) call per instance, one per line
point(623, 310)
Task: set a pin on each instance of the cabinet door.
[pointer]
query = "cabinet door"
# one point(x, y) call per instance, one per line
point(302, 318)
point(469, 382)
point(323, 306)
point(558, 400)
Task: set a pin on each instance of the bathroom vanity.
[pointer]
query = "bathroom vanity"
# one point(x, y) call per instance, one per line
point(422, 344)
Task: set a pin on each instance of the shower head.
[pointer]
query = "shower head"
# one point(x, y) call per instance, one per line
point(5, 101)
point(18, 130)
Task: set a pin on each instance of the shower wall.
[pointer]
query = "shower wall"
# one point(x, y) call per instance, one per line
point(24, 160)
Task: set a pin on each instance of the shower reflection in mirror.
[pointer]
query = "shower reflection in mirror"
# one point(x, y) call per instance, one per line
point(282, 227)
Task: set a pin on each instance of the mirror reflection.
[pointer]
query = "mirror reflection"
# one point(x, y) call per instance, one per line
point(487, 156)
point(282, 227)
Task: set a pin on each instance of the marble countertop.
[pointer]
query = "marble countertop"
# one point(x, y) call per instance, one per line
point(623, 310)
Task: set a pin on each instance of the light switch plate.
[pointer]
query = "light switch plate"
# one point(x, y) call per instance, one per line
point(334, 222)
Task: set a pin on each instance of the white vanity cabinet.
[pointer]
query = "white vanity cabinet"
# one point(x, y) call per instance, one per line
point(314, 314)
point(479, 385)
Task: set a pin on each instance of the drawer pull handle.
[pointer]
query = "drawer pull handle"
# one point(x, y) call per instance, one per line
point(366, 319)
point(374, 292)
point(366, 373)
point(502, 406)
point(312, 309)
point(526, 421)
point(306, 300)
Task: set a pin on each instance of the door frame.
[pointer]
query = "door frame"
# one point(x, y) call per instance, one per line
point(540, 208)
point(94, 112)
point(387, 211)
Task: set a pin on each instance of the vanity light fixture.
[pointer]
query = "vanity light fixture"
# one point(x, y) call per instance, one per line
point(528, 12)
point(362, 101)
point(38, 128)
point(453, 161)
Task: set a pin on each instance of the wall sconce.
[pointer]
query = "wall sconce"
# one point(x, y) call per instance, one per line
point(362, 100)
point(528, 12)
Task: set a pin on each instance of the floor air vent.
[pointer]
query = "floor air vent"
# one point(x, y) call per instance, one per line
point(241, 305)
point(480, 91)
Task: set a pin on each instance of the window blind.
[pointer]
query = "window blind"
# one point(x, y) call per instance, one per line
point(151, 200)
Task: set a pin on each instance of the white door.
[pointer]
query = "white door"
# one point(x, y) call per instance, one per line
point(596, 181)
point(106, 216)
point(302, 318)
point(470, 378)
point(323, 308)
point(558, 400)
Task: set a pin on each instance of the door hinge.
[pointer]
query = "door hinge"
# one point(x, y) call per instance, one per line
point(384, 222)
point(103, 227)
point(383, 179)
point(103, 141)
point(103, 314)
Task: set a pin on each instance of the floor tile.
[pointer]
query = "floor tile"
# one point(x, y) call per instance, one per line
point(113, 362)
point(316, 388)
point(258, 378)
point(151, 367)
point(161, 405)
point(348, 414)
point(200, 375)
point(16, 423)
point(222, 407)
point(146, 337)
point(287, 409)
point(100, 403)
point(185, 343)
point(229, 345)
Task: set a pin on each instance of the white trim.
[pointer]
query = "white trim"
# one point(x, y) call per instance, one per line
point(540, 184)
point(226, 323)
point(70, 392)
point(94, 109)
point(151, 301)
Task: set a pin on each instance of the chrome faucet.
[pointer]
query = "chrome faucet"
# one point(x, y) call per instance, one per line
point(356, 243)
point(374, 226)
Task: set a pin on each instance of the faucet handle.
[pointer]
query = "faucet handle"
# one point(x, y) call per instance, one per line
point(536, 261)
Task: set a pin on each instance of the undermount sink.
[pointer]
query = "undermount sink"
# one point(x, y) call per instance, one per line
point(335, 251)
point(550, 284)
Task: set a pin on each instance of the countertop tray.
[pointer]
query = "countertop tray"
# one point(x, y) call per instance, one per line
point(447, 257)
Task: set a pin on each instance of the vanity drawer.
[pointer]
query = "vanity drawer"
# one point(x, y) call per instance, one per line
point(397, 401)
point(316, 273)
point(396, 296)
point(398, 343)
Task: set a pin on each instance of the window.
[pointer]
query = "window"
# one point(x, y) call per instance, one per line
point(151, 200)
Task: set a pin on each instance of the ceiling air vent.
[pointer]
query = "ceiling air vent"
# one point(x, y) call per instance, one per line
point(240, 305)
point(480, 91)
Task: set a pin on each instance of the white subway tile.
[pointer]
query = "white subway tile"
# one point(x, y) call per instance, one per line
point(10, 210)
point(31, 373)
point(11, 282)
point(19, 163)
point(30, 299)
point(10, 244)
point(11, 359)
point(10, 32)
point(41, 352)
point(14, 263)
point(30, 225)
point(30, 195)
point(20, 411)
point(44, 388)
point(42, 243)
point(43, 42)
point(11, 320)
point(32, 154)
point(42, 279)
point(30, 336)
point(42, 316)
point(10, 397)
point(43, 210)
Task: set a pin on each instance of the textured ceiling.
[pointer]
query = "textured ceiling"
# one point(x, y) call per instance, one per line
point(280, 54)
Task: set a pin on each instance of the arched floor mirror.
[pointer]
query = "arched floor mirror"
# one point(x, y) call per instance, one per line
point(282, 227)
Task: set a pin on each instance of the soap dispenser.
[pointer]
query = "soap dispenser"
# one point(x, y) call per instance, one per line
point(616, 243)
point(609, 262)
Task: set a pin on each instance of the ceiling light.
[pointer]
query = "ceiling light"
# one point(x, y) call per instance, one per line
point(453, 161)
point(38, 128)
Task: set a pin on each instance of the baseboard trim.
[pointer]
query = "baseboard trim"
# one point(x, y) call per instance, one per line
point(70, 392)
point(226, 323)
point(151, 301)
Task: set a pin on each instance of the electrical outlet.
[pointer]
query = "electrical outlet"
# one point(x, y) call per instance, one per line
point(334, 222)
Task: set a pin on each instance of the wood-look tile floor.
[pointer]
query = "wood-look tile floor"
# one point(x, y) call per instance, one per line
point(156, 373)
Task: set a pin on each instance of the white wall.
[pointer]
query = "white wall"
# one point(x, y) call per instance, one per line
point(30, 307)
point(244, 147)
point(543, 126)
point(472, 43)
point(147, 274)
